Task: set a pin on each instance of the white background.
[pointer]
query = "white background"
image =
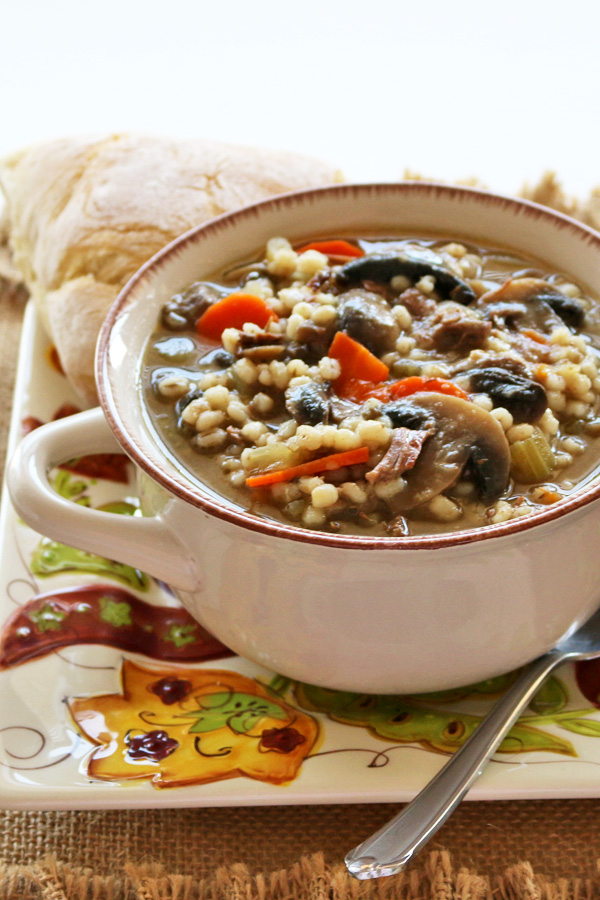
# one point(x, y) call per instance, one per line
point(501, 90)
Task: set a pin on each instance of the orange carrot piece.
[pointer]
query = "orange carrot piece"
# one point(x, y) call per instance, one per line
point(407, 386)
point(234, 311)
point(535, 336)
point(333, 248)
point(356, 362)
point(437, 385)
point(548, 496)
point(324, 464)
point(359, 391)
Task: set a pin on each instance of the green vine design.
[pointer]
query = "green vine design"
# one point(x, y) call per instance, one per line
point(52, 557)
point(422, 720)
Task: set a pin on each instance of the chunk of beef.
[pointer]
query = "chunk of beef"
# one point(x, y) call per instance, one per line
point(417, 303)
point(452, 327)
point(401, 455)
point(183, 310)
point(311, 343)
point(367, 318)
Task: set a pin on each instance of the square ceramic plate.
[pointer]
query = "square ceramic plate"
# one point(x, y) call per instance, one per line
point(111, 696)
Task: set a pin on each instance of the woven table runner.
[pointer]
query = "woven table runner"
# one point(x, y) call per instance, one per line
point(310, 878)
point(511, 850)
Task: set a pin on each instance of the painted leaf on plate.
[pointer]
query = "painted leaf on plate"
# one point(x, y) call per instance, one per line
point(240, 712)
point(395, 719)
point(51, 557)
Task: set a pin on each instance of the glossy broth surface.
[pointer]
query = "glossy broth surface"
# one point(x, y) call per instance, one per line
point(381, 387)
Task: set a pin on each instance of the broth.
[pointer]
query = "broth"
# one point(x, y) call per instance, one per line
point(381, 387)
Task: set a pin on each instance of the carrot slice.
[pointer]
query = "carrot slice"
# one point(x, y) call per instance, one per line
point(359, 391)
point(437, 385)
point(547, 496)
point(234, 311)
point(356, 362)
point(535, 336)
point(333, 248)
point(324, 464)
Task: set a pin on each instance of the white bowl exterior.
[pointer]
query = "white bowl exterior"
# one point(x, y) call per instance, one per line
point(406, 621)
point(367, 618)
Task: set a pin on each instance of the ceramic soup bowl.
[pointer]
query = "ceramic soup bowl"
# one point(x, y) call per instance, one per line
point(357, 613)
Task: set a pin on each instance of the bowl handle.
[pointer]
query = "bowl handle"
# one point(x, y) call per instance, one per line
point(145, 543)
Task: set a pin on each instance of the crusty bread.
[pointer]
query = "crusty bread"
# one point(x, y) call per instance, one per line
point(84, 214)
point(11, 283)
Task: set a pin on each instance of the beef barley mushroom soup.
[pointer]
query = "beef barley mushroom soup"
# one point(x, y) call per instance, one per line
point(381, 386)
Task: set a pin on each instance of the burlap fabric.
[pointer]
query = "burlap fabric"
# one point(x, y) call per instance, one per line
point(545, 849)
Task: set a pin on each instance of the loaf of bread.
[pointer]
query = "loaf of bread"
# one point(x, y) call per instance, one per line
point(84, 214)
point(11, 282)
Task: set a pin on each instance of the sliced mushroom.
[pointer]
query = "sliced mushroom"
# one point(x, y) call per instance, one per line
point(533, 301)
point(241, 274)
point(463, 433)
point(367, 318)
point(258, 339)
point(217, 357)
point(263, 353)
point(308, 403)
point(312, 404)
point(525, 399)
point(406, 414)
point(382, 267)
point(182, 425)
point(261, 346)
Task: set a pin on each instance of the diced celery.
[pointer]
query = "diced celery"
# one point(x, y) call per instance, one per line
point(403, 368)
point(532, 459)
point(271, 456)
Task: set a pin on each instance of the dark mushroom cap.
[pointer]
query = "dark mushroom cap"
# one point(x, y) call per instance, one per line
point(525, 399)
point(406, 414)
point(217, 357)
point(382, 267)
point(182, 403)
point(308, 403)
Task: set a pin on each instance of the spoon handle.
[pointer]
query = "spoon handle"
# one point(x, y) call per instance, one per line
point(390, 849)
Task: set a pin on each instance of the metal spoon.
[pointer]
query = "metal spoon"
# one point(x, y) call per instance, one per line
point(390, 849)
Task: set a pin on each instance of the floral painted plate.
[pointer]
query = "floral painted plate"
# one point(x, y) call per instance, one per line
point(112, 696)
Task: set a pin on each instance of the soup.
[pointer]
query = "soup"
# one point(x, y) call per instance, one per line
point(383, 387)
